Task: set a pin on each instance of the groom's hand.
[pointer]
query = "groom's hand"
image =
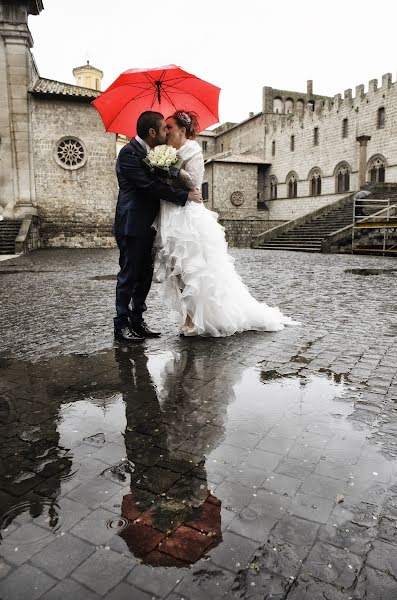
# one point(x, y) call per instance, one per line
point(195, 196)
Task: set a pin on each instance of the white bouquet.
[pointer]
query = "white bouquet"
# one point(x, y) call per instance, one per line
point(162, 156)
point(164, 161)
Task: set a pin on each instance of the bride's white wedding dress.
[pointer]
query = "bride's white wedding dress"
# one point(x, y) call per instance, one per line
point(197, 274)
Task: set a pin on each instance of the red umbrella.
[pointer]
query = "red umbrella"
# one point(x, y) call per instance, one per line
point(163, 89)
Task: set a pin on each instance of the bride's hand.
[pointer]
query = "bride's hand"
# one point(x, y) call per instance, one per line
point(195, 196)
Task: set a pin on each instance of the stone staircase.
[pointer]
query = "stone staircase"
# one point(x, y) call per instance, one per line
point(9, 229)
point(307, 237)
point(309, 232)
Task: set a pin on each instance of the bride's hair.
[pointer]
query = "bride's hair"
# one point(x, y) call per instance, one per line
point(189, 120)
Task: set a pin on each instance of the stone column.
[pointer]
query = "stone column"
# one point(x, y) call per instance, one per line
point(16, 74)
point(362, 161)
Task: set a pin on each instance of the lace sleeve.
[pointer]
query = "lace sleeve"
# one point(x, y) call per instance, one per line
point(195, 169)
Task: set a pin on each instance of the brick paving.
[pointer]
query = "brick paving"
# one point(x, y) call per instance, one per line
point(257, 466)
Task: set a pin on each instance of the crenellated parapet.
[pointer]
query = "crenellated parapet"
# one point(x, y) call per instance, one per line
point(284, 102)
point(321, 107)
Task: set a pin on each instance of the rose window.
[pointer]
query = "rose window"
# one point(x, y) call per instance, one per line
point(237, 198)
point(70, 153)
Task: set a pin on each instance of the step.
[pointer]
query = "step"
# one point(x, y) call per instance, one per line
point(288, 243)
point(304, 236)
point(323, 228)
point(289, 248)
point(327, 225)
point(299, 240)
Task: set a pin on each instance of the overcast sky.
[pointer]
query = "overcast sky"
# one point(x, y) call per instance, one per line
point(240, 46)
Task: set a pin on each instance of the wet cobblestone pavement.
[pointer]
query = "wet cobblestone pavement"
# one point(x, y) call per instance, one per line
point(252, 467)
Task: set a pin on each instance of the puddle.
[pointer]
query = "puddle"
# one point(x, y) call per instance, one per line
point(367, 272)
point(104, 278)
point(176, 446)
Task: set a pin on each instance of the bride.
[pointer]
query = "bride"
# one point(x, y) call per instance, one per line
point(198, 277)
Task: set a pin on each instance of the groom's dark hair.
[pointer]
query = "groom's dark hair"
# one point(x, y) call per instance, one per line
point(148, 120)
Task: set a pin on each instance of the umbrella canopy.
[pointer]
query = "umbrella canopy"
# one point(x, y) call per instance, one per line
point(162, 89)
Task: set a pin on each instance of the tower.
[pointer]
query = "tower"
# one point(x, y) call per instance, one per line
point(17, 71)
point(88, 76)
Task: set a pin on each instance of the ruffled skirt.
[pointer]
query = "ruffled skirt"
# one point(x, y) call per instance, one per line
point(198, 277)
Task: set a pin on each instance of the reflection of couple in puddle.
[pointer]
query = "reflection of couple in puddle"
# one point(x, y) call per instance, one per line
point(172, 517)
point(175, 411)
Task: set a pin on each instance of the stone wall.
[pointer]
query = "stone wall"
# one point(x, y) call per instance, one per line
point(361, 114)
point(208, 147)
point(17, 70)
point(226, 178)
point(241, 233)
point(292, 208)
point(76, 206)
point(247, 136)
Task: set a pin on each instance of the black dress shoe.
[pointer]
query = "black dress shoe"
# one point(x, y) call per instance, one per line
point(127, 334)
point(143, 330)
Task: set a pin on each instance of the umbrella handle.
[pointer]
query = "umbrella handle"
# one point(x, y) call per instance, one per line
point(158, 86)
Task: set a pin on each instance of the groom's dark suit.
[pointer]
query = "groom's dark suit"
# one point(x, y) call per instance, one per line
point(137, 206)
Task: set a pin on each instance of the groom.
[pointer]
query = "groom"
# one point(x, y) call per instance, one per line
point(137, 206)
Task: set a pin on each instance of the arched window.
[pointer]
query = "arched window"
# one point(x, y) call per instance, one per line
point(289, 106)
point(292, 185)
point(315, 182)
point(300, 105)
point(381, 118)
point(377, 169)
point(273, 187)
point(310, 104)
point(278, 105)
point(345, 128)
point(273, 148)
point(342, 178)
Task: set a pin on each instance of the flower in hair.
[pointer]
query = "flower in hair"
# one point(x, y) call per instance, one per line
point(184, 117)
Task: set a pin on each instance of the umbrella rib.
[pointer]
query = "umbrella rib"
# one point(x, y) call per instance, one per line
point(199, 99)
point(169, 99)
point(125, 105)
point(149, 78)
point(179, 78)
point(154, 98)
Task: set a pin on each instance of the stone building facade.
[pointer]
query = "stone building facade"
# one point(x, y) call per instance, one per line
point(56, 161)
point(75, 201)
point(310, 150)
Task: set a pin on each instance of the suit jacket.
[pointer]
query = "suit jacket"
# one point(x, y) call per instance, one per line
point(139, 193)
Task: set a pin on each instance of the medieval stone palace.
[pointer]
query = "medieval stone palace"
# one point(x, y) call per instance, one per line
point(303, 151)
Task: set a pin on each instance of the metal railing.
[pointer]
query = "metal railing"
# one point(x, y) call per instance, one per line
point(374, 214)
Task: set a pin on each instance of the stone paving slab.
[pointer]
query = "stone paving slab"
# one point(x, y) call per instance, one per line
point(261, 465)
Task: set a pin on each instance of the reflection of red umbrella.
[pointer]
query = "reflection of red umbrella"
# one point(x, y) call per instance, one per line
point(162, 536)
point(163, 89)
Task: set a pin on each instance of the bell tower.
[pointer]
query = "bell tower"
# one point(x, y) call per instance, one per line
point(17, 72)
point(88, 76)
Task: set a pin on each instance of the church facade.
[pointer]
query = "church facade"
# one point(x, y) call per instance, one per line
point(300, 153)
point(56, 161)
